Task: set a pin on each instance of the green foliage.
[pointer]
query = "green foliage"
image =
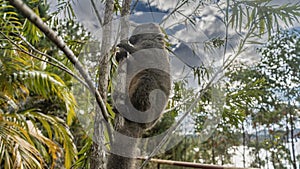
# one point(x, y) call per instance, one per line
point(35, 105)
point(23, 88)
point(48, 86)
point(24, 144)
point(262, 93)
point(65, 7)
point(262, 13)
point(17, 147)
point(246, 90)
point(280, 63)
point(9, 19)
point(84, 153)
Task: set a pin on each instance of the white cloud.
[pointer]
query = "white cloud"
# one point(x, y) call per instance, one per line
point(162, 4)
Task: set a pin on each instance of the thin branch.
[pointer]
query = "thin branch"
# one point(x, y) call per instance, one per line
point(36, 20)
point(176, 9)
point(125, 7)
point(134, 5)
point(104, 61)
point(179, 104)
point(124, 19)
point(97, 13)
point(185, 17)
point(151, 11)
point(60, 65)
point(226, 22)
point(241, 46)
point(173, 11)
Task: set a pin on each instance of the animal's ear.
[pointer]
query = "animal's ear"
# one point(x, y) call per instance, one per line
point(133, 39)
point(121, 55)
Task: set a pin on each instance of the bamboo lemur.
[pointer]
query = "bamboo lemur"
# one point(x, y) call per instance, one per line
point(141, 93)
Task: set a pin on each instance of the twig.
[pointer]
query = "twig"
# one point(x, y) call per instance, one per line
point(60, 65)
point(97, 13)
point(134, 5)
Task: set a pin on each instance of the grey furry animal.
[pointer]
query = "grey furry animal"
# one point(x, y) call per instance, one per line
point(142, 90)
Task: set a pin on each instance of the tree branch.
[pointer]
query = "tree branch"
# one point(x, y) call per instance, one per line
point(97, 12)
point(104, 67)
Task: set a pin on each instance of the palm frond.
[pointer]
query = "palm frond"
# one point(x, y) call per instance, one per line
point(57, 130)
point(9, 19)
point(48, 145)
point(49, 86)
point(15, 148)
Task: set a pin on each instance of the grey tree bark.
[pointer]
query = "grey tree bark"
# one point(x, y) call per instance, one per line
point(98, 148)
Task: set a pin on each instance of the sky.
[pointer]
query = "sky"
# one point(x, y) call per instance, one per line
point(208, 25)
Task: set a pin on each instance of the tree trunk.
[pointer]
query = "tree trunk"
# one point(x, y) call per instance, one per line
point(116, 161)
point(98, 148)
point(244, 144)
point(213, 150)
point(257, 158)
point(294, 164)
point(267, 151)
